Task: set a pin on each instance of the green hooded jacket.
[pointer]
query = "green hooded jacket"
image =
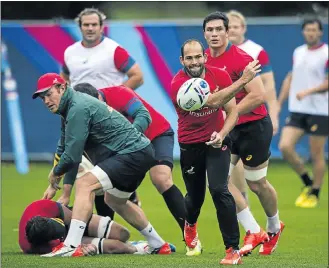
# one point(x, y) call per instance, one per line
point(93, 128)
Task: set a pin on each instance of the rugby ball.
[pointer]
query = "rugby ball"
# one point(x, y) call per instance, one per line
point(193, 94)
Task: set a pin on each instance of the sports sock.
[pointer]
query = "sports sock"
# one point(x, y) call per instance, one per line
point(75, 233)
point(273, 224)
point(248, 221)
point(176, 204)
point(152, 237)
point(306, 179)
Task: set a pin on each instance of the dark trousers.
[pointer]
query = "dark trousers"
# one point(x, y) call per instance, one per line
point(196, 161)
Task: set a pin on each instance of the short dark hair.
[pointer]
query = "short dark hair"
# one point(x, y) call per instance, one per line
point(217, 15)
point(40, 230)
point(87, 89)
point(311, 21)
point(188, 42)
point(90, 11)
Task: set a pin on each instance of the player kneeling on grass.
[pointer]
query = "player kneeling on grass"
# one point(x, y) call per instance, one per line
point(45, 223)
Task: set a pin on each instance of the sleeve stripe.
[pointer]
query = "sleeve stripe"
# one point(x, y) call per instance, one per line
point(266, 69)
point(127, 65)
point(132, 107)
point(61, 211)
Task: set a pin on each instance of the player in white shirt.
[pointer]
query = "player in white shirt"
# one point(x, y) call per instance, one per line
point(307, 87)
point(101, 62)
point(98, 60)
point(236, 35)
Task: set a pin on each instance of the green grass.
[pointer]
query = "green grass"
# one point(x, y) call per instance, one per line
point(304, 242)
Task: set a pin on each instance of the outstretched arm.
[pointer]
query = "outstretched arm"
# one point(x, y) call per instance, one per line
point(220, 98)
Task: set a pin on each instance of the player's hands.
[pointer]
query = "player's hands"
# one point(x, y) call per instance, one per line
point(250, 71)
point(89, 249)
point(49, 193)
point(301, 95)
point(64, 200)
point(274, 115)
point(275, 123)
point(54, 180)
point(216, 140)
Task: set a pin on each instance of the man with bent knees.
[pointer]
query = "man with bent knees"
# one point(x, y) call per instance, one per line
point(44, 224)
point(251, 136)
point(120, 153)
point(149, 121)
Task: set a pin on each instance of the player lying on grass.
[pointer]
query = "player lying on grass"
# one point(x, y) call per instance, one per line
point(45, 223)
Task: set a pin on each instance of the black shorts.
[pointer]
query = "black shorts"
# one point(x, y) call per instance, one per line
point(126, 171)
point(164, 148)
point(312, 124)
point(252, 140)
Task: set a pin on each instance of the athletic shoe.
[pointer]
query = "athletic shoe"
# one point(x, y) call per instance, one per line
point(303, 195)
point(269, 246)
point(232, 257)
point(190, 235)
point(194, 251)
point(310, 202)
point(163, 250)
point(251, 241)
point(65, 251)
point(142, 245)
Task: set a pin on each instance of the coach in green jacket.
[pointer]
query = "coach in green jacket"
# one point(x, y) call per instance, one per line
point(120, 153)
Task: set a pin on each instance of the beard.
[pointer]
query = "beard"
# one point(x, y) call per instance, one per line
point(194, 73)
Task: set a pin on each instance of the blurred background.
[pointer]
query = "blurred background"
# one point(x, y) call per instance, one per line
point(35, 35)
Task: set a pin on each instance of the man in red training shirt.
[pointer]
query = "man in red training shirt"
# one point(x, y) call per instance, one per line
point(44, 224)
point(205, 148)
point(251, 136)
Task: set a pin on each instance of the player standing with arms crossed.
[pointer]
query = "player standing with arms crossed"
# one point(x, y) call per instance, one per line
point(251, 136)
point(97, 59)
point(307, 87)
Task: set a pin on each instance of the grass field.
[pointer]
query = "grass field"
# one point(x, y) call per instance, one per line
point(304, 242)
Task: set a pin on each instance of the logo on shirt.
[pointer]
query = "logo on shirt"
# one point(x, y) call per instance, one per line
point(190, 171)
point(248, 158)
point(224, 68)
point(314, 127)
point(288, 119)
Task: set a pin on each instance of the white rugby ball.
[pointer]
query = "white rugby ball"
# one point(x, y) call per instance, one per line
point(193, 94)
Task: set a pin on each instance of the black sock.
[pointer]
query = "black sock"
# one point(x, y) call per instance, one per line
point(306, 179)
point(315, 192)
point(102, 208)
point(176, 205)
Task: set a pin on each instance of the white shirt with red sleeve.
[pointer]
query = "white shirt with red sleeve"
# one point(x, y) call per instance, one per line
point(257, 52)
point(103, 65)
point(309, 70)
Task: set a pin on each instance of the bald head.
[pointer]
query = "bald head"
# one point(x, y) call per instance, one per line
point(192, 44)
